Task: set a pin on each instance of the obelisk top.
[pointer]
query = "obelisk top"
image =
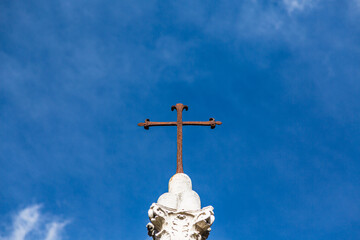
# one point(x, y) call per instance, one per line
point(180, 197)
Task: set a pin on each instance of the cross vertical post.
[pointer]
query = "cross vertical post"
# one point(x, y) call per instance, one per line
point(179, 108)
point(179, 123)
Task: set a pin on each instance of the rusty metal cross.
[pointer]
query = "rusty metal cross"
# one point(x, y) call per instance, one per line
point(179, 123)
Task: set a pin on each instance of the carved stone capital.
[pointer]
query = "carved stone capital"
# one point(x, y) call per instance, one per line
point(177, 215)
point(169, 224)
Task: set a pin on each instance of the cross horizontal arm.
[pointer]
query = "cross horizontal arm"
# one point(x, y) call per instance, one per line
point(200, 123)
point(148, 124)
point(211, 123)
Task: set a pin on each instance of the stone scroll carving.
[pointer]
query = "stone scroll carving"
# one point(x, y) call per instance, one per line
point(169, 224)
point(178, 215)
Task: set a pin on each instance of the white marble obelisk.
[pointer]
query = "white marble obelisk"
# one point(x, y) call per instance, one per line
point(177, 215)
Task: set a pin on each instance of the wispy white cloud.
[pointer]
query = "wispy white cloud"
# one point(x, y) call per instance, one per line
point(30, 224)
point(54, 230)
point(297, 5)
point(25, 222)
point(249, 20)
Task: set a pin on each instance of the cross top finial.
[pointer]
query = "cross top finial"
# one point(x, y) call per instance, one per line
point(179, 107)
point(179, 123)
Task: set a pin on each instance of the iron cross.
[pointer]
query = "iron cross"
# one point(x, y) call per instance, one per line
point(179, 123)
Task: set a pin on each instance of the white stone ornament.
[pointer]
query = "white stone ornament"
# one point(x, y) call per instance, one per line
point(178, 215)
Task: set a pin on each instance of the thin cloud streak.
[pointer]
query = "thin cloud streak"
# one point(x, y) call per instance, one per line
point(297, 5)
point(55, 230)
point(29, 224)
point(25, 222)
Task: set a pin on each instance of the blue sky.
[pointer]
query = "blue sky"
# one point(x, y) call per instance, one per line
point(77, 76)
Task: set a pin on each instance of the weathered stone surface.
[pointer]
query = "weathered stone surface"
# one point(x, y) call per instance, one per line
point(178, 215)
